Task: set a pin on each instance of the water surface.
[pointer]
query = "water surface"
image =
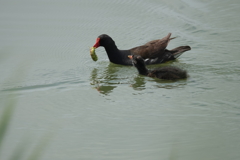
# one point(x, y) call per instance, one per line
point(99, 110)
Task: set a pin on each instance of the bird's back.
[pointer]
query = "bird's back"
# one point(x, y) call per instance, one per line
point(152, 49)
point(169, 73)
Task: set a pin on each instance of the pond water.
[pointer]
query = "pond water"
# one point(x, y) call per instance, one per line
point(99, 110)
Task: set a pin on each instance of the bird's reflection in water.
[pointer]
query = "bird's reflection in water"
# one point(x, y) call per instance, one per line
point(105, 89)
point(105, 80)
point(139, 83)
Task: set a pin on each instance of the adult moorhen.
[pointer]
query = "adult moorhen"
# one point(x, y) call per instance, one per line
point(152, 52)
point(168, 73)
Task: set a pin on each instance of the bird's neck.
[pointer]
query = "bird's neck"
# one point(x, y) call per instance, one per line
point(113, 53)
point(143, 70)
point(117, 56)
point(111, 49)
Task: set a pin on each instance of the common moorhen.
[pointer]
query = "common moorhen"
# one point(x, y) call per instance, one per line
point(168, 73)
point(152, 52)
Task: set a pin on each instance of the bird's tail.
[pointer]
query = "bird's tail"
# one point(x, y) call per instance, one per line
point(172, 38)
point(179, 50)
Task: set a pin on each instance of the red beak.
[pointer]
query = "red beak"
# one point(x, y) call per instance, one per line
point(97, 44)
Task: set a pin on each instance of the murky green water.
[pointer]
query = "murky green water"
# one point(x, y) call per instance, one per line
point(99, 110)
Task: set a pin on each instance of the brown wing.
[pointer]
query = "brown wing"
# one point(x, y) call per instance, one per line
point(153, 48)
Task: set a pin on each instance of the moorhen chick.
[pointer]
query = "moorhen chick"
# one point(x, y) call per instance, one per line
point(153, 52)
point(168, 73)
